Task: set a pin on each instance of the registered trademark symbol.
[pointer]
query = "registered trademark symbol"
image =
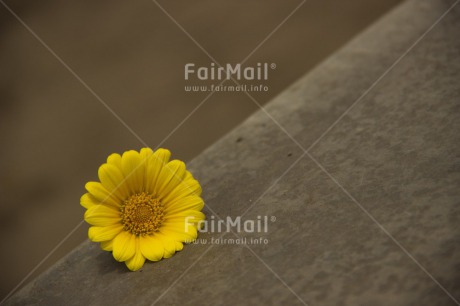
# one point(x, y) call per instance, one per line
point(273, 65)
point(273, 218)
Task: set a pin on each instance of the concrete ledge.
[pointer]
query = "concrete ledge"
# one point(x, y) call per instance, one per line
point(396, 153)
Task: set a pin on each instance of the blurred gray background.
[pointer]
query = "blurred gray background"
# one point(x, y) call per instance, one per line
point(54, 133)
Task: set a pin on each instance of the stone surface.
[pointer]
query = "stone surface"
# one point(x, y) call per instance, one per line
point(395, 153)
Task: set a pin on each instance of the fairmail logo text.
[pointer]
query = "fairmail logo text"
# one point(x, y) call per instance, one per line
point(228, 71)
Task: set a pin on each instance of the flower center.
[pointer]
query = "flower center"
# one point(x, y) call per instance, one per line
point(141, 214)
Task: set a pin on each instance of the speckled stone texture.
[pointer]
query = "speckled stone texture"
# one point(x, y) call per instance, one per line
point(396, 155)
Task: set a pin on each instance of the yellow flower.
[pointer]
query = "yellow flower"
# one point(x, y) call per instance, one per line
point(144, 206)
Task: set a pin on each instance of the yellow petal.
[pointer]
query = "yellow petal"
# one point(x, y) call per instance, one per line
point(179, 232)
point(146, 153)
point(102, 195)
point(113, 180)
point(87, 201)
point(191, 216)
point(124, 246)
point(114, 160)
point(179, 246)
point(156, 162)
point(169, 245)
point(170, 177)
point(101, 215)
point(187, 203)
point(162, 156)
point(137, 261)
point(186, 188)
point(107, 245)
point(181, 227)
point(99, 234)
point(133, 170)
point(151, 247)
